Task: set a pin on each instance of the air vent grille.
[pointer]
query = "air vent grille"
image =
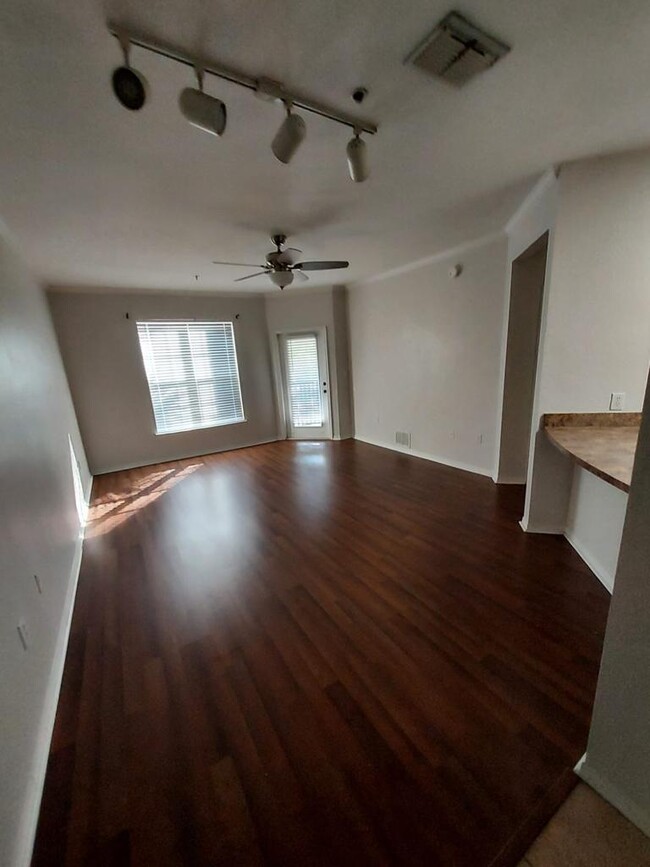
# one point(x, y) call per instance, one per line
point(456, 51)
point(403, 439)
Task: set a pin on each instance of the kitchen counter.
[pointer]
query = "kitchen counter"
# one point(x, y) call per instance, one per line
point(604, 443)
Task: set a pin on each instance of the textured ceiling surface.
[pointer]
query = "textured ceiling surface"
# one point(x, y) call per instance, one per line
point(99, 196)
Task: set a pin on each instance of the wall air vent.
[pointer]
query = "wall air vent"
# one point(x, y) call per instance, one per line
point(402, 438)
point(457, 51)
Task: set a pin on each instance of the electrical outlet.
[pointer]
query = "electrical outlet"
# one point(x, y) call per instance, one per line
point(617, 401)
point(23, 634)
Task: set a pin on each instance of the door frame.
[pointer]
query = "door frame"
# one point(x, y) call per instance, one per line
point(544, 242)
point(280, 375)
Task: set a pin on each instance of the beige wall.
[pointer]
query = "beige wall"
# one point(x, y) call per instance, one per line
point(596, 332)
point(426, 353)
point(102, 357)
point(39, 535)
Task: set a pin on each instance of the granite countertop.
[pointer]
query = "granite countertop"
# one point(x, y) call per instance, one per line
point(602, 442)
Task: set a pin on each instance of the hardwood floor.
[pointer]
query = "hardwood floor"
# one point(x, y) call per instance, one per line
point(317, 654)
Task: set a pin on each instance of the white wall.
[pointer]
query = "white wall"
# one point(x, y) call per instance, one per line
point(426, 354)
point(39, 535)
point(295, 311)
point(617, 763)
point(102, 358)
point(594, 522)
point(596, 330)
point(341, 314)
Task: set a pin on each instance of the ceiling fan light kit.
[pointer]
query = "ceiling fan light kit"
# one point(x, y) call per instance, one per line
point(209, 113)
point(281, 278)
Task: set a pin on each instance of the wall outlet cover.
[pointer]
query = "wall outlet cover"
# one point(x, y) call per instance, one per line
point(617, 401)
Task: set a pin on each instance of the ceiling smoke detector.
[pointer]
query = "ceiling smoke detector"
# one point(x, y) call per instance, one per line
point(457, 50)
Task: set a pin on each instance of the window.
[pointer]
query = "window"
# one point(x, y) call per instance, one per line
point(79, 496)
point(192, 372)
point(304, 381)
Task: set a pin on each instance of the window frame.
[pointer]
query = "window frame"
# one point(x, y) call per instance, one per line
point(184, 383)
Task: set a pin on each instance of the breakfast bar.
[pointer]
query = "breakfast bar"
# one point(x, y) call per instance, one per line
point(604, 443)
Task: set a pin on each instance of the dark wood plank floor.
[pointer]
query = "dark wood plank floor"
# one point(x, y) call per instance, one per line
point(317, 653)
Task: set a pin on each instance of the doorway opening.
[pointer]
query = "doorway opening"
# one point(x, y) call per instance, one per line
point(305, 384)
point(522, 346)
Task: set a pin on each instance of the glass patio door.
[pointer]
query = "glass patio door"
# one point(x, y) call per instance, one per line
point(306, 385)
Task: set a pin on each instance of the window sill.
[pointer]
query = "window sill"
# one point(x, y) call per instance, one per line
point(167, 433)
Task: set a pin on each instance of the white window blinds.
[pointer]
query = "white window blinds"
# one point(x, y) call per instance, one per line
point(192, 372)
point(304, 381)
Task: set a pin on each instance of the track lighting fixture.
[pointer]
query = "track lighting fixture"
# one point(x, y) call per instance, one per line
point(288, 138)
point(281, 278)
point(209, 113)
point(129, 85)
point(201, 110)
point(357, 158)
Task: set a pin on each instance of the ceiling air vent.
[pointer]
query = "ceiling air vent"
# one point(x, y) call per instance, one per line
point(457, 50)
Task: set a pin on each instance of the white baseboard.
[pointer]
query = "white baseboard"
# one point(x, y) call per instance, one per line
point(201, 454)
point(603, 574)
point(613, 795)
point(549, 529)
point(437, 459)
point(29, 820)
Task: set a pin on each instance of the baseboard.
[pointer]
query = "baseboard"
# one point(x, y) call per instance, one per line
point(27, 832)
point(603, 575)
point(437, 459)
point(549, 529)
point(201, 454)
point(613, 795)
point(510, 480)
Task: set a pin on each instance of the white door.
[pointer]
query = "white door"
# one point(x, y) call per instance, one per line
point(306, 385)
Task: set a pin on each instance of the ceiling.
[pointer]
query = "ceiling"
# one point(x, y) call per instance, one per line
point(99, 196)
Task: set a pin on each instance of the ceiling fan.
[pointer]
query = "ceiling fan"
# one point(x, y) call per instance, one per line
point(283, 265)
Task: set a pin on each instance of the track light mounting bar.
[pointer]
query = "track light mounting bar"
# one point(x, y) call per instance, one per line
point(259, 86)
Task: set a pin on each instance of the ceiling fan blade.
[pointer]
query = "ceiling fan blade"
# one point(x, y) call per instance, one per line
point(320, 266)
point(257, 274)
point(243, 264)
point(293, 249)
point(299, 275)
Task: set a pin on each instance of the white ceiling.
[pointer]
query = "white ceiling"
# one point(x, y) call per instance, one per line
point(96, 195)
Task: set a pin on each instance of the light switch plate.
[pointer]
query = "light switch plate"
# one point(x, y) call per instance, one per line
point(617, 401)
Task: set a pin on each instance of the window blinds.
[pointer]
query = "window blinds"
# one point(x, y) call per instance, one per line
point(192, 373)
point(304, 381)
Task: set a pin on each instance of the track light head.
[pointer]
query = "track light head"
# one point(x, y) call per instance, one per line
point(281, 278)
point(203, 111)
point(288, 138)
point(129, 86)
point(357, 159)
